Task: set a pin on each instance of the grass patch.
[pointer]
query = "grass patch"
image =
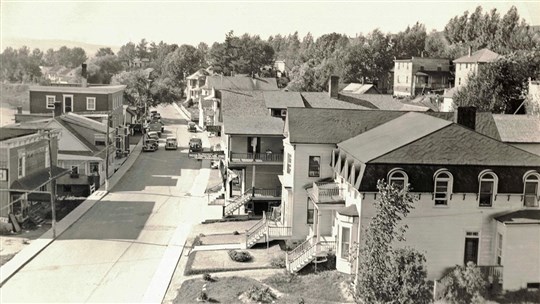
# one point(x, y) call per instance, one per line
point(5, 258)
point(223, 290)
point(226, 238)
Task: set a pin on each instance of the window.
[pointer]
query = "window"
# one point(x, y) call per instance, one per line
point(398, 178)
point(531, 189)
point(99, 139)
point(74, 170)
point(289, 161)
point(68, 103)
point(443, 187)
point(345, 242)
point(90, 103)
point(21, 165)
point(406, 79)
point(499, 248)
point(43, 188)
point(93, 167)
point(459, 80)
point(314, 166)
point(466, 65)
point(310, 211)
point(488, 184)
point(421, 68)
point(50, 100)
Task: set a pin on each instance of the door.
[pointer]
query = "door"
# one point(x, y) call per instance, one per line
point(471, 251)
point(68, 103)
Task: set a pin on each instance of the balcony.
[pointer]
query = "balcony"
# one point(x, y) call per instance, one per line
point(256, 158)
point(264, 193)
point(322, 193)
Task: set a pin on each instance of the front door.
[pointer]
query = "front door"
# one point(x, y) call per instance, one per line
point(68, 103)
point(471, 251)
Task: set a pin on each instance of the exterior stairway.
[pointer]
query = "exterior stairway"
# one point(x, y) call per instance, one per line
point(257, 232)
point(238, 202)
point(266, 228)
point(306, 252)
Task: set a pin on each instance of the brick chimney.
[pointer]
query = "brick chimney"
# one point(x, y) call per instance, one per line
point(466, 116)
point(84, 75)
point(333, 86)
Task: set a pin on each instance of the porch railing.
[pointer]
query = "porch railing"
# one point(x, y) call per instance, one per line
point(253, 233)
point(295, 257)
point(266, 192)
point(238, 202)
point(279, 231)
point(250, 157)
point(326, 191)
point(492, 272)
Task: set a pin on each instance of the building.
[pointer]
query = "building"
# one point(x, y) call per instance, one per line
point(533, 106)
point(521, 131)
point(25, 167)
point(360, 88)
point(469, 64)
point(420, 75)
point(194, 84)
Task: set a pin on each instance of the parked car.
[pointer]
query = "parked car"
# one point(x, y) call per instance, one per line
point(171, 143)
point(151, 142)
point(149, 146)
point(195, 145)
point(137, 128)
point(155, 127)
point(192, 127)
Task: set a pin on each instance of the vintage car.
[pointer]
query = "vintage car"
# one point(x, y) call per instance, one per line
point(192, 127)
point(148, 147)
point(195, 145)
point(171, 143)
point(153, 135)
point(151, 142)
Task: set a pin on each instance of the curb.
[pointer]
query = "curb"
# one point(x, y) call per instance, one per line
point(26, 255)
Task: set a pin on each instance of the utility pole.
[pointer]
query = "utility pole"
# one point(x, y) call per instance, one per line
point(53, 186)
point(107, 154)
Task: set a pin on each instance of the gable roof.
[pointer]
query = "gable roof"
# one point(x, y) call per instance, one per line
point(240, 83)
point(9, 133)
point(330, 126)
point(105, 89)
point(518, 128)
point(386, 102)
point(245, 112)
point(358, 88)
point(85, 122)
point(76, 134)
point(391, 135)
point(282, 99)
point(201, 73)
point(482, 56)
point(323, 101)
point(457, 145)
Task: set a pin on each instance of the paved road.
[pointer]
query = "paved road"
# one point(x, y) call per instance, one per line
point(125, 248)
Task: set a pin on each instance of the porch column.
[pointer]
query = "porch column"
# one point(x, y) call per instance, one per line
point(318, 226)
point(243, 180)
point(253, 180)
point(316, 222)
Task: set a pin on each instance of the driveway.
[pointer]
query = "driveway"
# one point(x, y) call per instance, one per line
point(125, 248)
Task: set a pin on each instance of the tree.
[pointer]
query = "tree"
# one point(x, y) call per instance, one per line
point(142, 49)
point(101, 69)
point(463, 285)
point(77, 56)
point(410, 42)
point(386, 275)
point(181, 63)
point(127, 53)
point(104, 52)
point(500, 86)
point(137, 92)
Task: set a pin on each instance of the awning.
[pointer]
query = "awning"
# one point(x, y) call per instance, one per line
point(38, 178)
point(421, 74)
point(349, 211)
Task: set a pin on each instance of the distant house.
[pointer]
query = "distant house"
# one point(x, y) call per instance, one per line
point(468, 65)
point(420, 75)
point(25, 164)
point(533, 107)
point(194, 83)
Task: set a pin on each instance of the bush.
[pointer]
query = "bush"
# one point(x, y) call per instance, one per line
point(278, 262)
point(5, 228)
point(240, 256)
point(260, 295)
point(207, 277)
point(236, 233)
point(463, 285)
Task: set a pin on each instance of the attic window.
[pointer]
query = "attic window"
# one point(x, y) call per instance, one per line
point(398, 178)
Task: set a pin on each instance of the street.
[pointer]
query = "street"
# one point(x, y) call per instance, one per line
point(125, 248)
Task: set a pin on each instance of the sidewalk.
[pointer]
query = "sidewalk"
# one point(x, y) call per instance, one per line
point(36, 246)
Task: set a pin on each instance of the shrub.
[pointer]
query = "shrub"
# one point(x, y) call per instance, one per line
point(278, 262)
point(5, 228)
point(240, 256)
point(236, 233)
point(463, 285)
point(261, 295)
point(207, 277)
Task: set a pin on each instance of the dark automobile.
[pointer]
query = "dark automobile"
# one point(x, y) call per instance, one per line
point(195, 145)
point(192, 127)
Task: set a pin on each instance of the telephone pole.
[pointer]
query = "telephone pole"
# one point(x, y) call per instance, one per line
point(53, 186)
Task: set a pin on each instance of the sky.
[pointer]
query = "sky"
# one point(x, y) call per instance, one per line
point(115, 23)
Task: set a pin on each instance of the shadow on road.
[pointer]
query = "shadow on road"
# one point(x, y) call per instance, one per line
point(111, 220)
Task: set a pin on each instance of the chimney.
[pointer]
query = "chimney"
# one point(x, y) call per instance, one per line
point(84, 75)
point(333, 86)
point(470, 51)
point(57, 109)
point(466, 116)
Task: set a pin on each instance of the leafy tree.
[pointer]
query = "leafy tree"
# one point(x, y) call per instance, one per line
point(501, 86)
point(302, 78)
point(101, 69)
point(410, 42)
point(463, 285)
point(386, 275)
point(182, 62)
point(142, 49)
point(104, 52)
point(127, 53)
point(138, 91)
point(20, 65)
point(77, 56)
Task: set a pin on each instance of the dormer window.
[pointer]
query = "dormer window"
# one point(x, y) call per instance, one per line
point(443, 187)
point(488, 188)
point(398, 178)
point(531, 189)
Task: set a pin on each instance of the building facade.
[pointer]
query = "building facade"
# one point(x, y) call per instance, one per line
point(420, 75)
point(469, 64)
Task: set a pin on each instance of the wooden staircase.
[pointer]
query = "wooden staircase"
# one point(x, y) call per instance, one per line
point(266, 228)
point(238, 202)
point(307, 252)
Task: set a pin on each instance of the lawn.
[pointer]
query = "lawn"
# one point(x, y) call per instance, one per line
point(228, 238)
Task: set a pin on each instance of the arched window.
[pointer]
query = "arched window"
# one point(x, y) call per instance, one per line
point(398, 177)
point(488, 188)
point(531, 188)
point(443, 182)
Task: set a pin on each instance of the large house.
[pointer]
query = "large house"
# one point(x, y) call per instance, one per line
point(477, 196)
point(420, 75)
point(25, 166)
point(468, 65)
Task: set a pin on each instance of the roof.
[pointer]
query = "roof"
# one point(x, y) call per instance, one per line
point(85, 122)
point(518, 128)
point(255, 117)
point(9, 133)
point(36, 179)
point(526, 216)
point(358, 88)
point(65, 156)
point(106, 89)
point(449, 93)
point(282, 99)
point(456, 145)
point(389, 136)
point(483, 55)
point(350, 211)
point(330, 126)
point(324, 101)
point(384, 102)
point(424, 101)
point(199, 74)
point(240, 83)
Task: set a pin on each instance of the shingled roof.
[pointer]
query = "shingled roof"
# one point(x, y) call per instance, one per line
point(9, 133)
point(518, 128)
point(282, 99)
point(480, 56)
point(323, 100)
point(240, 83)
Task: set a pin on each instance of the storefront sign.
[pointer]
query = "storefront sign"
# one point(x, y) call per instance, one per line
point(214, 155)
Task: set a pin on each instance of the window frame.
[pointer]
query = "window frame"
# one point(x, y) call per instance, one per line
point(499, 250)
point(314, 173)
point(405, 177)
point(344, 254)
point(527, 179)
point(75, 172)
point(21, 165)
point(100, 136)
point(289, 161)
point(310, 213)
point(484, 177)
point(47, 104)
point(88, 99)
point(449, 179)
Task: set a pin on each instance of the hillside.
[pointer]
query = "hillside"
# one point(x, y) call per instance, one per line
point(45, 44)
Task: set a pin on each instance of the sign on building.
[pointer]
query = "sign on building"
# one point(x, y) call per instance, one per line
point(214, 155)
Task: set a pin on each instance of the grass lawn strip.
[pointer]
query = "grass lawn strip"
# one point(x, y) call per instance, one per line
point(218, 239)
